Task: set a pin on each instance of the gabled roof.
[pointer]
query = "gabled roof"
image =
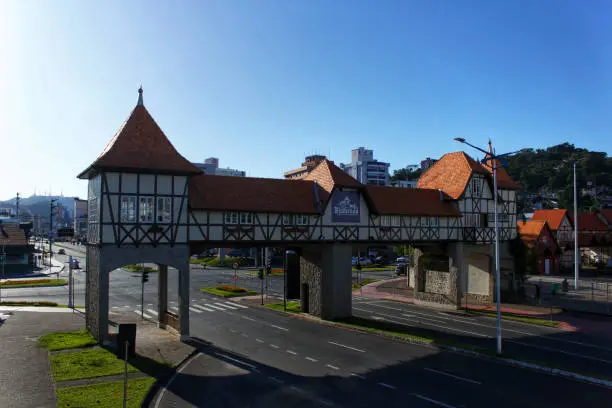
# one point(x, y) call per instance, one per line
point(530, 230)
point(12, 235)
point(451, 174)
point(553, 217)
point(250, 194)
point(588, 222)
point(504, 181)
point(411, 201)
point(328, 176)
point(140, 146)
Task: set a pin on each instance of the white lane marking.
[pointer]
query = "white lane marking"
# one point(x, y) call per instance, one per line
point(259, 340)
point(215, 307)
point(160, 396)
point(424, 323)
point(361, 377)
point(244, 335)
point(314, 360)
point(139, 313)
point(382, 384)
point(325, 402)
point(346, 347)
point(453, 376)
point(174, 309)
point(226, 306)
point(274, 346)
point(276, 380)
point(235, 360)
point(248, 318)
point(193, 309)
point(232, 330)
point(292, 352)
point(433, 401)
point(206, 309)
point(279, 328)
point(332, 366)
point(153, 312)
point(237, 305)
point(297, 389)
point(569, 353)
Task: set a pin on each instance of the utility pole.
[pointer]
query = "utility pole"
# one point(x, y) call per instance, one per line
point(576, 249)
point(51, 208)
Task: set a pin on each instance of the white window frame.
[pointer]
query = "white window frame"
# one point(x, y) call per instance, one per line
point(295, 219)
point(476, 187)
point(434, 222)
point(164, 210)
point(146, 209)
point(246, 218)
point(92, 209)
point(385, 220)
point(231, 217)
point(129, 203)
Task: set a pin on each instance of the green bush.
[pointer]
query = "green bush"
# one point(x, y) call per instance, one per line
point(28, 303)
point(227, 261)
point(230, 288)
point(139, 268)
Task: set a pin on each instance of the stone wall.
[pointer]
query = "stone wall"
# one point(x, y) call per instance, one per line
point(311, 275)
point(437, 282)
point(92, 291)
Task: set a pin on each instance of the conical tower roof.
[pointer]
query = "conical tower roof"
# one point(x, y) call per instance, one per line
point(140, 146)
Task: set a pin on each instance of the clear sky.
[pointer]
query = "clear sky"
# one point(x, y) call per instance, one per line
point(261, 83)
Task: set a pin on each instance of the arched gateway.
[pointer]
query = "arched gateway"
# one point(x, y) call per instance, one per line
point(147, 203)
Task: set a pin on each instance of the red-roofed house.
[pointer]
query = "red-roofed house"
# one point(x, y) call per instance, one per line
point(563, 231)
point(542, 247)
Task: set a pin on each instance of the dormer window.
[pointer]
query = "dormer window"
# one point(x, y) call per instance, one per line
point(476, 188)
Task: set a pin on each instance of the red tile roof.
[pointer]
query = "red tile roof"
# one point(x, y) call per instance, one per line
point(12, 235)
point(553, 217)
point(328, 176)
point(530, 230)
point(451, 174)
point(588, 222)
point(140, 145)
point(504, 181)
point(411, 201)
point(209, 192)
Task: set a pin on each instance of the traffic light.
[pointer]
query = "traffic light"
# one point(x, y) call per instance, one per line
point(268, 270)
point(260, 273)
point(145, 276)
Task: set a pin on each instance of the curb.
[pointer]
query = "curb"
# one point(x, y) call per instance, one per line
point(461, 350)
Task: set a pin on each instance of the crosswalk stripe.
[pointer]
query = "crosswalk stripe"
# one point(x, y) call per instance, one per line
point(204, 308)
point(146, 316)
point(237, 305)
point(215, 307)
point(226, 305)
point(174, 309)
point(193, 309)
point(153, 312)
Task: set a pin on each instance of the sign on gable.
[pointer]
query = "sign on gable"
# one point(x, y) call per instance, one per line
point(345, 206)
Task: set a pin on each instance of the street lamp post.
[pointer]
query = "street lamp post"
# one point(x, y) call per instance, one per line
point(494, 158)
point(576, 249)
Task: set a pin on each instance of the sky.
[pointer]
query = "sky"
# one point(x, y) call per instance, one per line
point(260, 84)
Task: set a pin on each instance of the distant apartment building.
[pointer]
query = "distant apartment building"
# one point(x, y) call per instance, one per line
point(405, 183)
point(366, 169)
point(427, 163)
point(310, 162)
point(79, 223)
point(211, 166)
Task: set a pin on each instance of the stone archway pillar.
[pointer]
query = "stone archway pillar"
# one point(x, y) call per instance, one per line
point(183, 287)
point(162, 295)
point(96, 295)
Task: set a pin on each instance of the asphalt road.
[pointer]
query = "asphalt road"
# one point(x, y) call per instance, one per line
point(571, 350)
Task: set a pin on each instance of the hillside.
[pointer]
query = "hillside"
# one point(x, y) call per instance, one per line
point(547, 173)
point(37, 204)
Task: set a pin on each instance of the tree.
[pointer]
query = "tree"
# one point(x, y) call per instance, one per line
point(406, 174)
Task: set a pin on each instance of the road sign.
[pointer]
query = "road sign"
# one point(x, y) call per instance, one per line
point(235, 265)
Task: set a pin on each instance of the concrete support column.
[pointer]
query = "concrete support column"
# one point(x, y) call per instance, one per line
point(184, 301)
point(458, 272)
point(96, 312)
point(162, 295)
point(326, 273)
point(415, 274)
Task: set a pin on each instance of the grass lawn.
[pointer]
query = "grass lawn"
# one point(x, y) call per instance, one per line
point(363, 283)
point(42, 303)
point(376, 269)
point(274, 272)
point(86, 363)
point(26, 283)
point(292, 307)
point(105, 395)
point(376, 326)
point(139, 268)
point(68, 340)
point(226, 293)
point(531, 320)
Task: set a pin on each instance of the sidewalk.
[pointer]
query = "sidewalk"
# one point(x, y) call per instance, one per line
point(57, 267)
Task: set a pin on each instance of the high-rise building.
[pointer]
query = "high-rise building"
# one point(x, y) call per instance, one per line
point(80, 217)
point(427, 163)
point(310, 162)
point(366, 169)
point(211, 166)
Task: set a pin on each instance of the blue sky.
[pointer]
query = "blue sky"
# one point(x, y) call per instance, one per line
point(259, 84)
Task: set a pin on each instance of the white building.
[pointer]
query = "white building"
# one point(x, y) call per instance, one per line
point(366, 169)
point(405, 183)
point(211, 166)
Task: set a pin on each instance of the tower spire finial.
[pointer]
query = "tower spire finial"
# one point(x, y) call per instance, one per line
point(140, 102)
point(490, 147)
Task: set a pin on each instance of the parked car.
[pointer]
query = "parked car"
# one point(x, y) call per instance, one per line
point(403, 259)
point(363, 261)
point(61, 252)
point(401, 269)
